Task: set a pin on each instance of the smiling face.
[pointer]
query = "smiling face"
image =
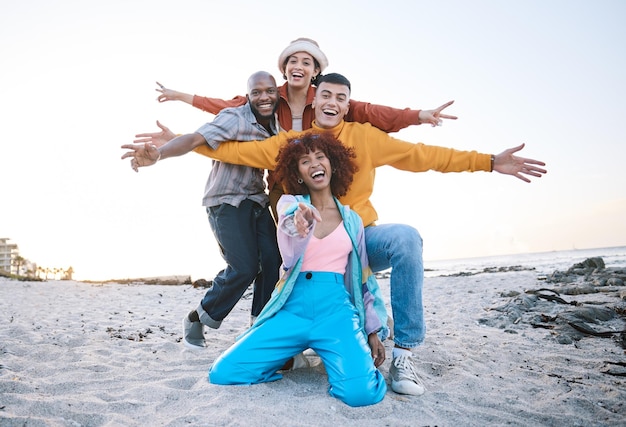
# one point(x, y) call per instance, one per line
point(315, 170)
point(331, 104)
point(315, 159)
point(262, 95)
point(300, 69)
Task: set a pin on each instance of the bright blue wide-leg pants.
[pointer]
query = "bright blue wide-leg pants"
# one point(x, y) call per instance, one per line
point(318, 315)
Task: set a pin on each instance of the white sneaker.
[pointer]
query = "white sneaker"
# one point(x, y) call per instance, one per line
point(300, 362)
point(404, 378)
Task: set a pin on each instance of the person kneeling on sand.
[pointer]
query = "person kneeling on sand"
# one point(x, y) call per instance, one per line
point(326, 298)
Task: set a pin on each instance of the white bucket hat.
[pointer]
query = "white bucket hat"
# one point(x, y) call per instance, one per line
point(303, 44)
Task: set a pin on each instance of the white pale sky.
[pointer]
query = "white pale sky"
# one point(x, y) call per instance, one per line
point(78, 80)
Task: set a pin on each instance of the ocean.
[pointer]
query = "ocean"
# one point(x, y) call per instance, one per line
point(543, 262)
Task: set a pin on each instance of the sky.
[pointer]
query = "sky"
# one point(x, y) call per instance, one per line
point(78, 81)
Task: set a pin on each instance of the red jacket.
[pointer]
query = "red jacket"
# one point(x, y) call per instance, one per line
point(387, 119)
point(384, 118)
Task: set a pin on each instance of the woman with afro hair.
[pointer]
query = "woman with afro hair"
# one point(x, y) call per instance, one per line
point(327, 298)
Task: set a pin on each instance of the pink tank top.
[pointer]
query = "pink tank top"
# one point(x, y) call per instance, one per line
point(328, 254)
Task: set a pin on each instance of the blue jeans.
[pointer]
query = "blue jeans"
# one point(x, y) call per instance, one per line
point(318, 314)
point(399, 246)
point(247, 239)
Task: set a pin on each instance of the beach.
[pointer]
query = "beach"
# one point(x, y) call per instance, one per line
point(501, 349)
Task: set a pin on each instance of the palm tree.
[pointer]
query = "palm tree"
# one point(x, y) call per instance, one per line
point(67, 274)
point(18, 261)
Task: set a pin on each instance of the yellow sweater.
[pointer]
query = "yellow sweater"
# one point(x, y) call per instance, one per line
point(373, 148)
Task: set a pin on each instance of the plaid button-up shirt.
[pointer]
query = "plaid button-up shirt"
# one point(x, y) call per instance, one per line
point(229, 183)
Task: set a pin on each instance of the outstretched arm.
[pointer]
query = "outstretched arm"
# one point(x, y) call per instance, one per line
point(173, 95)
point(390, 119)
point(147, 154)
point(509, 164)
point(155, 138)
point(433, 117)
point(210, 105)
point(293, 238)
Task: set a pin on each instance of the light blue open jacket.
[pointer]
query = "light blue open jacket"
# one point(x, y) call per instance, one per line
point(358, 276)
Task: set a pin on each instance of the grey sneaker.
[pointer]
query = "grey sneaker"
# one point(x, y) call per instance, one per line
point(404, 378)
point(300, 362)
point(193, 334)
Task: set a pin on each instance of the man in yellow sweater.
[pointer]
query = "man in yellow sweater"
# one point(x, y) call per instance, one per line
point(396, 246)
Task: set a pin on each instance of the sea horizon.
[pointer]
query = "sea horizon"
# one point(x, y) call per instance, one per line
point(543, 262)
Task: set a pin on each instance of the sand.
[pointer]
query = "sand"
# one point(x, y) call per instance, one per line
point(78, 354)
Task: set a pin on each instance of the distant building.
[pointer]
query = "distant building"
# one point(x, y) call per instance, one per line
point(7, 252)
